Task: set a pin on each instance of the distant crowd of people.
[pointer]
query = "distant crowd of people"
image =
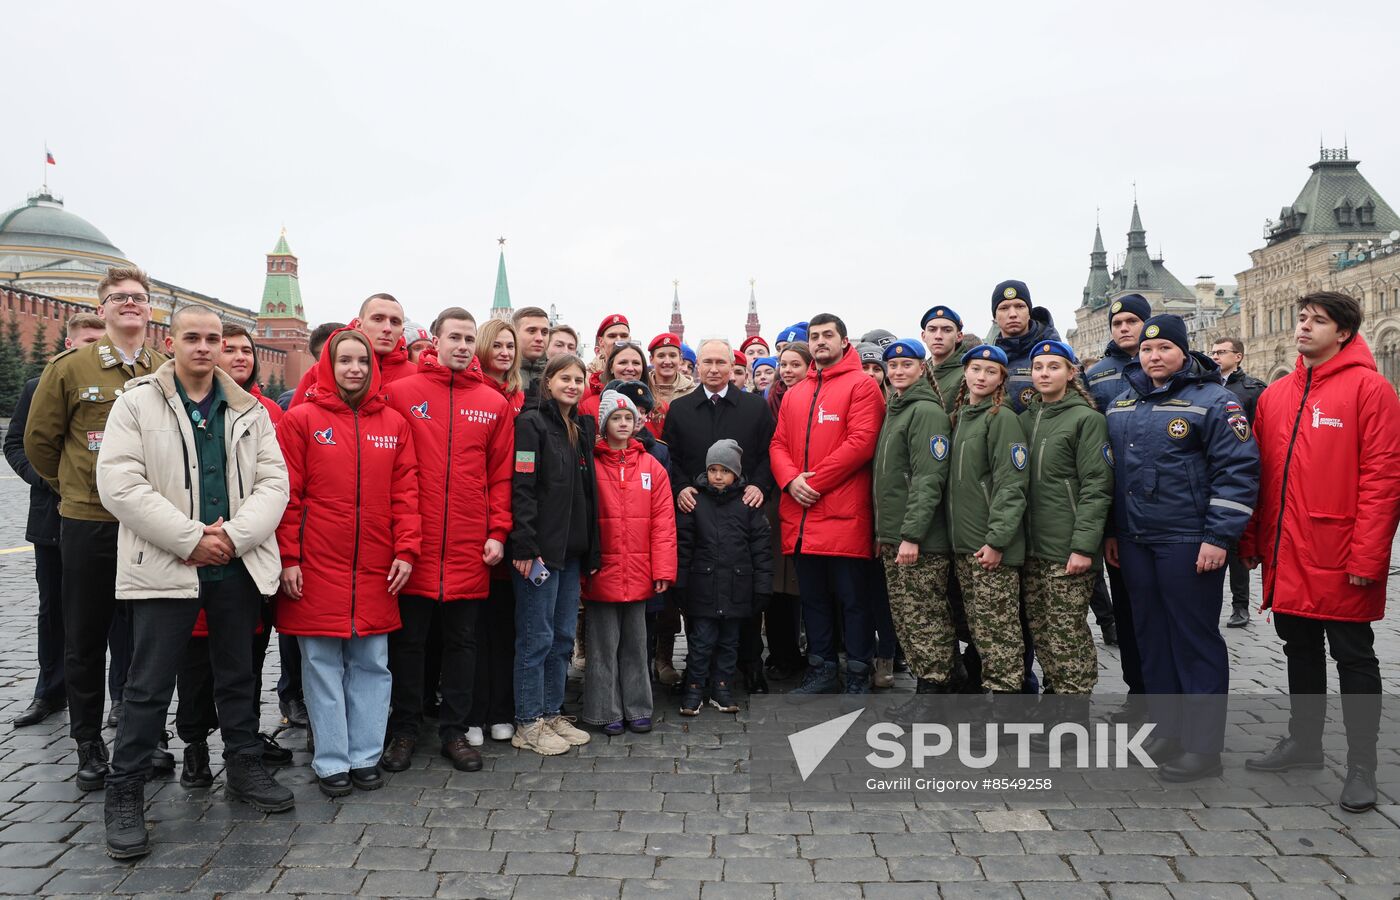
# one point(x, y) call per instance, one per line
point(439, 522)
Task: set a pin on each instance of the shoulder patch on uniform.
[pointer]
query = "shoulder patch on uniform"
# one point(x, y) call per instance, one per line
point(1129, 402)
point(1239, 424)
point(1019, 456)
point(1027, 395)
point(1233, 406)
point(68, 352)
point(525, 461)
point(938, 446)
point(1178, 428)
point(1108, 453)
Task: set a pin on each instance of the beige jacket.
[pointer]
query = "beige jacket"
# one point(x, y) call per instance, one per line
point(147, 478)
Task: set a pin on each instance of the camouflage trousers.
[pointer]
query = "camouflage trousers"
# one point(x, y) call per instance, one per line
point(919, 606)
point(1057, 606)
point(993, 602)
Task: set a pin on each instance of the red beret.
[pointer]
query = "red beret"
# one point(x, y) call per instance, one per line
point(740, 359)
point(614, 319)
point(664, 340)
point(754, 339)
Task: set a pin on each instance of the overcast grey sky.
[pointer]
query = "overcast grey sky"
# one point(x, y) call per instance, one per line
point(866, 159)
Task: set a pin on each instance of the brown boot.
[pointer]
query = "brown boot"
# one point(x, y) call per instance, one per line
point(398, 755)
point(464, 756)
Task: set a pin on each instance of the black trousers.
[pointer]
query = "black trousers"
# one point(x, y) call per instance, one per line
point(92, 616)
point(712, 646)
point(195, 714)
point(289, 654)
point(1352, 645)
point(1101, 605)
point(1239, 579)
point(493, 690)
point(48, 572)
point(779, 623)
point(1128, 655)
point(407, 652)
point(161, 630)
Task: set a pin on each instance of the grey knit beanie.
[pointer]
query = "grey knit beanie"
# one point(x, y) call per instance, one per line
point(726, 453)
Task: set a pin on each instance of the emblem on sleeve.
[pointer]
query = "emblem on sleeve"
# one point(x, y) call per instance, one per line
point(1018, 456)
point(938, 446)
point(1027, 395)
point(525, 461)
point(1108, 453)
point(1178, 428)
point(1239, 424)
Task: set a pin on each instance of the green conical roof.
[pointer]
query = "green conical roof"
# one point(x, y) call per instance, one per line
point(502, 299)
point(281, 290)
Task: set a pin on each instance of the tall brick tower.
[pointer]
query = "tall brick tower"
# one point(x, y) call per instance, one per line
point(751, 327)
point(281, 318)
point(677, 325)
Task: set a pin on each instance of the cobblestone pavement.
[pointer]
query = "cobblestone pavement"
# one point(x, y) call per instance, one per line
point(665, 815)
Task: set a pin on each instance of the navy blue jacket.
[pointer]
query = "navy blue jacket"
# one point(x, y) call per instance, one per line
point(1019, 389)
point(1186, 465)
point(1105, 377)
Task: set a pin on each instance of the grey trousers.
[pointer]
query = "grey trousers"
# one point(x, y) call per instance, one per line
point(617, 682)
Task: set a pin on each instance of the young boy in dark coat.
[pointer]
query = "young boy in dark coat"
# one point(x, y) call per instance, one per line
point(725, 565)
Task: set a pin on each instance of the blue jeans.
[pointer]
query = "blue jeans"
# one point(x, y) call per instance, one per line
point(347, 686)
point(831, 586)
point(546, 617)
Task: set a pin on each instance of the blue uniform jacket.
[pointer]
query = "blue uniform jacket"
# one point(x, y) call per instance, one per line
point(1186, 465)
point(1019, 389)
point(1105, 377)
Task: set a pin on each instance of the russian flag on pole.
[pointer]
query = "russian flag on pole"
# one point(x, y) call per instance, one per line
point(48, 157)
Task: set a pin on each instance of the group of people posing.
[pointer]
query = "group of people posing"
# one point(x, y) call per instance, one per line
point(459, 511)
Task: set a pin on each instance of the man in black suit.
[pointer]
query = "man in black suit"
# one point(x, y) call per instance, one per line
point(716, 411)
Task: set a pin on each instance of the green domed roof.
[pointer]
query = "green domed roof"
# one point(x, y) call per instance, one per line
point(43, 222)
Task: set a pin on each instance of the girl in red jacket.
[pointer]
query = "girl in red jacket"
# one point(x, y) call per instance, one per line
point(638, 530)
point(349, 539)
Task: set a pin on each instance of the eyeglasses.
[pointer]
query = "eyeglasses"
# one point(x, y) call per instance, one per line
point(119, 299)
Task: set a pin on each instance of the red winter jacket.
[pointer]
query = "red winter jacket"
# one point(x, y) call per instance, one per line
point(273, 410)
point(829, 425)
point(463, 438)
point(1338, 487)
point(391, 367)
point(353, 510)
point(636, 522)
point(514, 399)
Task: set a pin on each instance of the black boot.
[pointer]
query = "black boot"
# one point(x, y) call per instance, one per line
point(1359, 793)
point(927, 686)
point(754, 681)
point(721, 699)
point(247, 779)
point(125, 815)
point(273, 753)
point(114, 715)
point(1191, 767)
point(1110, 634)
point(1287, 754)
point(196, 772)
point(1239, 617)
point(93, 765)
point(162, 760)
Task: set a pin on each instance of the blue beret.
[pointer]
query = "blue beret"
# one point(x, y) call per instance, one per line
point(905, 348)
point(792, 333)
point(1136, 304)
point(1054, 348)
point(1010, 290)
point(941, 312)
point(1167, 327)
point(990, 352)
point(770, 361)
point(687, 353)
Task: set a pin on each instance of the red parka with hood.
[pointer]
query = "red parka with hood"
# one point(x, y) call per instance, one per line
point(636, 522)
point(391, 366)
point(1329, 488)
point(353, 510)
point(829, 425)
point(463, 438)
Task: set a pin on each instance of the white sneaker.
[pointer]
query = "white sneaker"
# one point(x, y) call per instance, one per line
point(538, 737)
point(474, 737)
point(564, 727)
point(502, 731)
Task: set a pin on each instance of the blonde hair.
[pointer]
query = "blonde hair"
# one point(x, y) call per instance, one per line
point(352, 400)
point(485, 336)
point(117, 274)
